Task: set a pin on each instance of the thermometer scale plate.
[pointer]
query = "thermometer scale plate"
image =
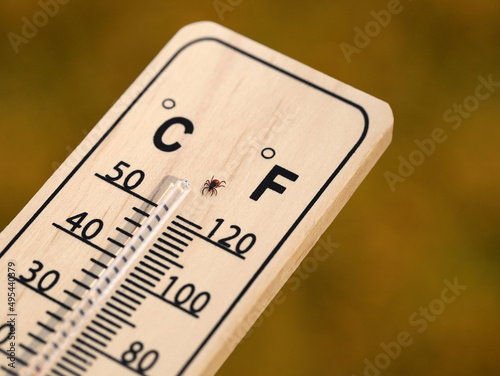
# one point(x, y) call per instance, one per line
point(123, 264)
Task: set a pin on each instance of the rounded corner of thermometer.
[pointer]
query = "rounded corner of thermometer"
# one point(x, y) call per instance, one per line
point(352, 104)
point(209, 38)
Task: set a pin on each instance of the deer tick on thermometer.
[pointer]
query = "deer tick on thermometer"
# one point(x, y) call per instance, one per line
point(211, 186)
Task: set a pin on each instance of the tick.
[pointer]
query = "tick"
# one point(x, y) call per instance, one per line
point(212, 185)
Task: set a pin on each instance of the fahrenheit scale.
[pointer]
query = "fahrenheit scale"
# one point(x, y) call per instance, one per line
point(123, 264)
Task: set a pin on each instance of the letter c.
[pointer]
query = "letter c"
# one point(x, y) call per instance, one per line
point(157, 139)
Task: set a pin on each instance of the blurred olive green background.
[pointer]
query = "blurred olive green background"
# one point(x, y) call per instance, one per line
point(396, 248)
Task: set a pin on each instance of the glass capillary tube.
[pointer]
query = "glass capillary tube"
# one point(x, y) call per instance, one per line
point(107, 282)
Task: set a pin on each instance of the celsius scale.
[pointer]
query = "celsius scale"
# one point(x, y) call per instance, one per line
point(184, 211)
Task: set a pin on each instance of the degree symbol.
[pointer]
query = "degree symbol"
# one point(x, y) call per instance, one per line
point(268, 153)
point(168, 103)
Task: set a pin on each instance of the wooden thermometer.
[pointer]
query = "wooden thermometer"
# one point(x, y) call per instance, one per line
point(183, 212)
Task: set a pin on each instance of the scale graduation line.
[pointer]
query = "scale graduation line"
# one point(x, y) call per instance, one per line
point(161, 298)
point(209, 240)
point(127, 190)
point(44, 295)
point(84, 240)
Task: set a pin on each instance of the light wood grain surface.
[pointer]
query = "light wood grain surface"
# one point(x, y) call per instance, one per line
point(212, 103)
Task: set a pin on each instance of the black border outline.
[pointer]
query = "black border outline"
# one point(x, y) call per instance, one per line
point(288, 233)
